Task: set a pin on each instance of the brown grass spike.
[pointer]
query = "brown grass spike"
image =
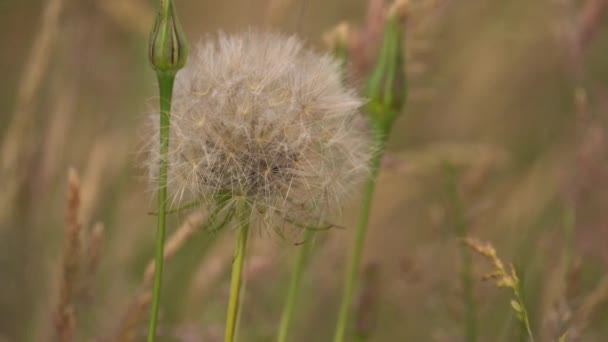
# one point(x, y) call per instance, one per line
point(64, 317)
point(18, 141)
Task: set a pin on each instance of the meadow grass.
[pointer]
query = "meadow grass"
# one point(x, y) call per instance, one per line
point(518, 112)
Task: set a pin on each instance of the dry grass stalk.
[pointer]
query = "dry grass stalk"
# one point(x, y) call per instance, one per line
point(136, 313)
point(584, 313)
point(18, 144)
point(503, 278)
point(589, 20)
point(500, 274)
point(210, 271)
point(64, 316)
point(578, 31)
point(137, 310)
point(93, 255)
point(57, 131)
point(105, 158)
point(176, 241)
point(95, 172)
point(94, 247)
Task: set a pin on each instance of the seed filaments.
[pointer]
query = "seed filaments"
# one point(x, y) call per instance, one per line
point(256, 116)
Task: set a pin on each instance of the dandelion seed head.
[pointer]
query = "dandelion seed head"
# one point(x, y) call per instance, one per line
point(260, 117)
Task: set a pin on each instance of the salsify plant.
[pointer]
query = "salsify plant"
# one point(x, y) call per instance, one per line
point(337, 39)
point(386, 91)
point(263, 130)
point(167, 52)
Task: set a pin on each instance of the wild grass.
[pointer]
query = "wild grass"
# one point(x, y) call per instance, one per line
point(18, 143)
point(510, 93)
point(504, 277)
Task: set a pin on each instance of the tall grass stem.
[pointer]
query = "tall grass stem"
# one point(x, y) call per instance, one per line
point(294, 285)
point(355, 257)
point(466, 273)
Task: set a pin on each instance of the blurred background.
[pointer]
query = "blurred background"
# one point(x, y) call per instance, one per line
point(503, 138)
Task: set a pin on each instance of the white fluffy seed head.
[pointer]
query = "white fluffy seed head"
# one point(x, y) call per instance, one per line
point(256, 116)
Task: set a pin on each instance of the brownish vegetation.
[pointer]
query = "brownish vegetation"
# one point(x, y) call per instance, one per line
point(512, 94)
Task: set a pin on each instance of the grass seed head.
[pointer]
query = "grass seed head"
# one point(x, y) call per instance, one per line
point(257, 116)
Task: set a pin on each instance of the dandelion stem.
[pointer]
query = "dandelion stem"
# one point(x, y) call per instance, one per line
point(355, 257)
point(165, 85)
point(294, 285)
point(237, 270)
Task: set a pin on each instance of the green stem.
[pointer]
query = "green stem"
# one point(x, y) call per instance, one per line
point(466, 274)
point(165, 84)
point(294, 285)
point(525, 319)
point(355, 257)
point(237, 270)
point(165, 5)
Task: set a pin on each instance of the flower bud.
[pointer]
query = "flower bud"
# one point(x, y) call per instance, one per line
point(168, 49)
point(337, 40)
point(387, 85)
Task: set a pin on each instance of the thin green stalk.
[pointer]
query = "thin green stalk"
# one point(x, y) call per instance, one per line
point(386, 90)
point(355, 257)
point(522, 311)
point(237, 270)
point(468, 298)
point(294, 285)
point(466, 273)
point(167, 51)
point(165, 84)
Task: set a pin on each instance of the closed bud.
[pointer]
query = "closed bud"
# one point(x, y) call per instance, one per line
point(387, 85)
point(337, 40)
point(168, 49)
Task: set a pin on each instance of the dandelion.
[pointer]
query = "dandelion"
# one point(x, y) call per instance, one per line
point(264, 128)
point(258, 117)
